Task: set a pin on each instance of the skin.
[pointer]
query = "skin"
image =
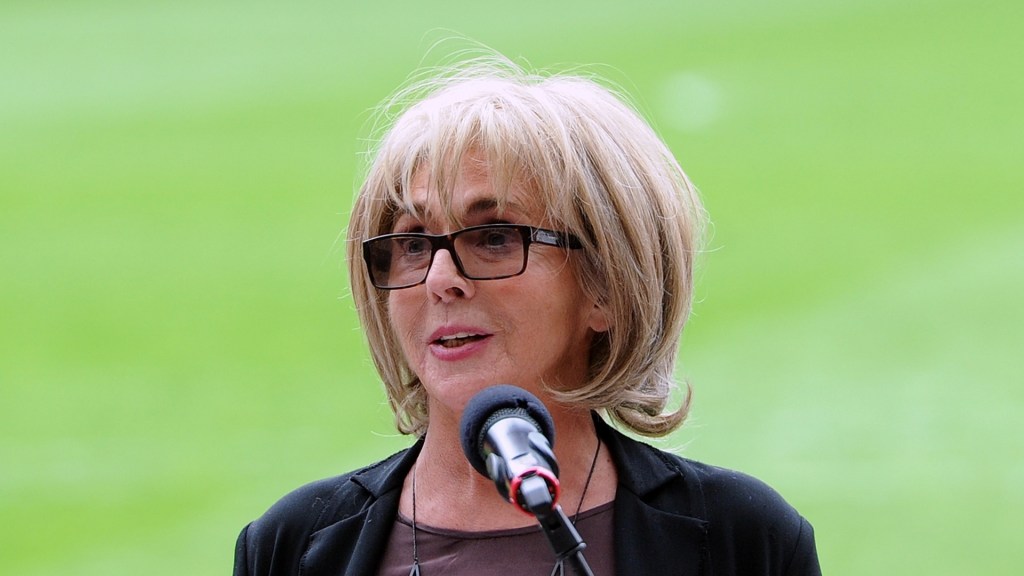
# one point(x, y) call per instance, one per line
point(528, 330)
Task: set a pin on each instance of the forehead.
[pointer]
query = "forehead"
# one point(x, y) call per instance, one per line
point(470, 192)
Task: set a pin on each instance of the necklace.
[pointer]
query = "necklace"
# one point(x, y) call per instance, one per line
point(558, 569)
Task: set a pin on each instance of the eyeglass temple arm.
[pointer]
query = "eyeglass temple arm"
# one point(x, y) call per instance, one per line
point(552, 238)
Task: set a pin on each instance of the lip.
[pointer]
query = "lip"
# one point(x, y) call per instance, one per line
point(453, 330)
point(461, 352)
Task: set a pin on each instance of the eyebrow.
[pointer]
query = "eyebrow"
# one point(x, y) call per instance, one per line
point(478, 206)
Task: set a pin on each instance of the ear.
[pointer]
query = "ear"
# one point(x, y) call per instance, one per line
point(598, 319)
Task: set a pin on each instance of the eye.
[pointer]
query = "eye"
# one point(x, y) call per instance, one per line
point(497, 238)
point(495, 242)
point(413, 246)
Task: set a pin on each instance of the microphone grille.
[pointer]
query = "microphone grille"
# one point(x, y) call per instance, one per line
point(492, 404)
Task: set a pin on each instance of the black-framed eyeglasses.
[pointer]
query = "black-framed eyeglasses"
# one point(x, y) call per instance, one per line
point(487, 252)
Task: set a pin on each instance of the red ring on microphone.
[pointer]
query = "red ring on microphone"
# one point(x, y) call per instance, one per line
point(550, 479)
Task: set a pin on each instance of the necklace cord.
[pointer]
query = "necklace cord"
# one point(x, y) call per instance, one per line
point(586, 485)
point(415, 553)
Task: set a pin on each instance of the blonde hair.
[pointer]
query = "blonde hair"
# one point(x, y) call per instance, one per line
point(603, 175)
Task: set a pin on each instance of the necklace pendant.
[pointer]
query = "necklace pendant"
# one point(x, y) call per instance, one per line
point(415, 569)
point(558, 570)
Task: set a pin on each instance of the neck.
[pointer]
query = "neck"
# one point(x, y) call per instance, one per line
point(452, 494)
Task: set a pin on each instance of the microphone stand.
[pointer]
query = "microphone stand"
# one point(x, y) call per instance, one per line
point(562, 535)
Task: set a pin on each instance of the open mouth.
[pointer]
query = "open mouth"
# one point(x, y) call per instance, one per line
point(461, 339)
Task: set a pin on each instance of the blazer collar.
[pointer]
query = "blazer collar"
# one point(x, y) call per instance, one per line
point(652, 474)
point(639, 467)
point(352, 545)
point(389, 474)
point(660, 525)
point(658, 514)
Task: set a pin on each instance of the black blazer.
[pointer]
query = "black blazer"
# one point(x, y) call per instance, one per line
point(672, 516)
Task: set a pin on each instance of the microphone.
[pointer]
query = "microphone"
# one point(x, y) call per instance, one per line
point(507, 435)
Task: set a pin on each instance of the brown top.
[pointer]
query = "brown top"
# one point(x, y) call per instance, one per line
point(523, 551)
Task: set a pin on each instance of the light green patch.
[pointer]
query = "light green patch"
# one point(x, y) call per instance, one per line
point(176, 345)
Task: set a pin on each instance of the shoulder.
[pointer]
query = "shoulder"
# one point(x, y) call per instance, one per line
point(718, 495)
point(301, 510)
point(751, 527)
point(735, 498)
point(748, 527)
point(281, 535)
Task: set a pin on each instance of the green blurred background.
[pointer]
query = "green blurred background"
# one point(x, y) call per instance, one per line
point(178, 350)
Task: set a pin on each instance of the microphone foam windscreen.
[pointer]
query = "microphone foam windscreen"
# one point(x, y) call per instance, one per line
point(501, 398)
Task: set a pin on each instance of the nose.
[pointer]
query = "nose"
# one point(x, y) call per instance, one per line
point(444, 281)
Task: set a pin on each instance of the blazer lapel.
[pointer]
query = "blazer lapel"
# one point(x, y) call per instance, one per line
point(354, 546)
point(659, 526)
point(652, 542)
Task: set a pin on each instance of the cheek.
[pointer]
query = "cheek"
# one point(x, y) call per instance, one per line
point(404, 316)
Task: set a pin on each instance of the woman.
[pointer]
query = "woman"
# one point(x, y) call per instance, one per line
point(527, 230)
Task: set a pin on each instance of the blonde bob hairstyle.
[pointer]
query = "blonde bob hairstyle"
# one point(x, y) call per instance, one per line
point(603, 175)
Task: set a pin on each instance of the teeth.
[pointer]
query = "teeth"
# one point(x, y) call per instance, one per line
point(456, 340)
point(457, 336)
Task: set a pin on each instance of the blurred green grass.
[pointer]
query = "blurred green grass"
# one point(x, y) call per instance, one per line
point(176, 345)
